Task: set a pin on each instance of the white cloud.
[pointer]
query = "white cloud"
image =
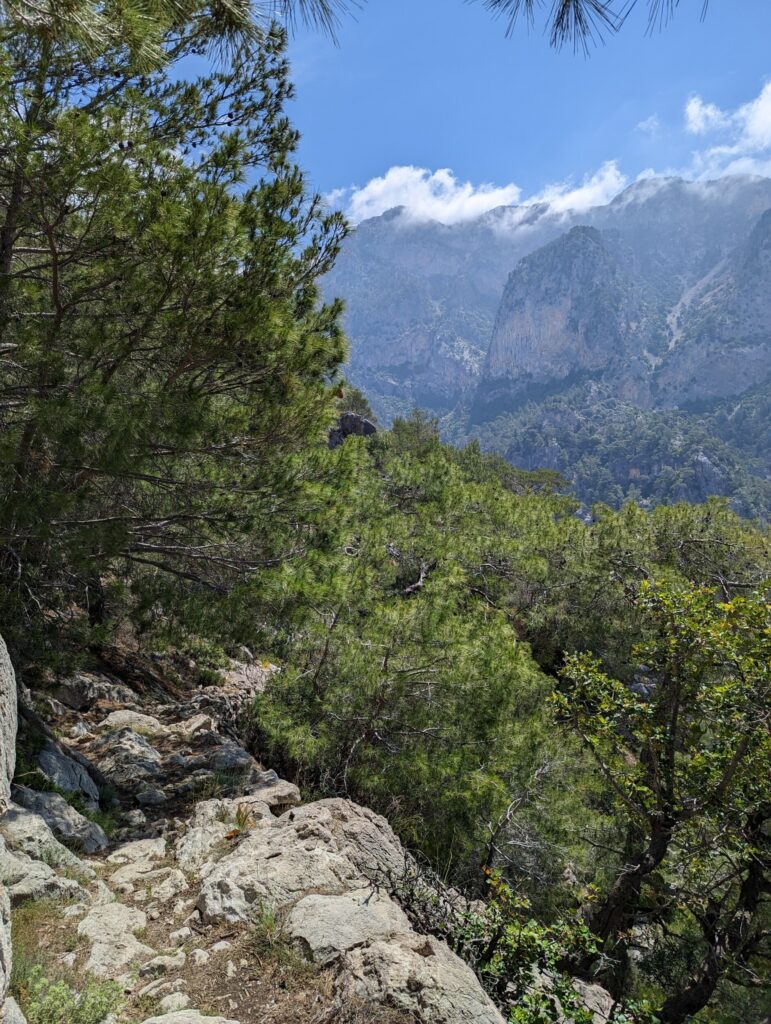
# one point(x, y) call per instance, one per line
point(595, 190)
point(742, 136)
point(702, 118)
point(739, 143)
point(425, 195)
point(439, 195)
point(650, 126)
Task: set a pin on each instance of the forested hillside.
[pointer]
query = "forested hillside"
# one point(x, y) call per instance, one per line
point(564, 718)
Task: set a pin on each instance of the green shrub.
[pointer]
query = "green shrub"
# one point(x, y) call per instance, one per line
point(57, 1003)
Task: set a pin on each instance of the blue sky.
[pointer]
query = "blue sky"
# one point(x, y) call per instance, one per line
point(416, 87)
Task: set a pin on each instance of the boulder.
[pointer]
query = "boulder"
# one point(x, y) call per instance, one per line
point(68, 774)
point(27, 833)
point(350, 424)
point(332, 846)
point(324, 927)
point(8, 725)
point(82, 690)
point(126, 758)
point(125, 718)
point(26, 879)
point(418, 975)
point(139, 850)
point(596, 999)
point(63, 820)
point(13, 1014)
point(111, 929)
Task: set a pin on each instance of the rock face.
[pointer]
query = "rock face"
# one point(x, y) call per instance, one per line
point(568, 311)
point(7, 764)
point(350, 424)
point(64, 821)
point(8, 724)
point(332, 846)
point(421, 976)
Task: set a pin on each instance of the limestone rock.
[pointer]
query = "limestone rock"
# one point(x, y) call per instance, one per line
point(111, 931)
point(125, 718)
point(596, 999)
point(126, 758)
point(333, 846)
point(82, 690)
point(63, 820)
point(163, 965)
point(276, 793)
point(66, 773)
point(419, 975)
point(28, 879)
point(326, 926)
point(8, 723)
point(27, 833)
point(174, 1001)
point(139, 850)
point(13, 1014)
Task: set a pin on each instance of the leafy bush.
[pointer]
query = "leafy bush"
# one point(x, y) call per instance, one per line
point(56, 1002)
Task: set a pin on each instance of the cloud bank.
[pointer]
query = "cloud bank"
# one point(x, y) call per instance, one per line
point(734, 141)
point(740, 139)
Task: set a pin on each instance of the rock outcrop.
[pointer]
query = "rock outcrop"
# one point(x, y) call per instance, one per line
point(8, 724)
point(225, 861)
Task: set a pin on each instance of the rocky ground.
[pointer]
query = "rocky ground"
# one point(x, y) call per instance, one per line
point(198, 880)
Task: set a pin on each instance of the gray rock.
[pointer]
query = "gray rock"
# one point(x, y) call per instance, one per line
point(187, 1017)
point(326, 926)
point(8, 725)
point(82, 690)
point(419, 975)
point(26, 879)
point(275, 793)
point(231, 756)
point(63, 820)
point(125, 718)
point(111, 930)
point(333, 845)
point(66, 773)
point(13, 1014)
point(139, 850)
point(163, 965)
point(150, 796)
point(350, 424)
point(174, 1001)
point(27, 833)
point(596, 999)
point(135, 818)
point(126, 758)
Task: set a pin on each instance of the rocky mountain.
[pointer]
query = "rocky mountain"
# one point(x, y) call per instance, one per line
point(662, 298)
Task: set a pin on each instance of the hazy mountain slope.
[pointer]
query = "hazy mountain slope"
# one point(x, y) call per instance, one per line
point(507, 326)
point(422, 298)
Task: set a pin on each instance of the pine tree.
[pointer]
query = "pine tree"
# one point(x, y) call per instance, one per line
point(165, 359)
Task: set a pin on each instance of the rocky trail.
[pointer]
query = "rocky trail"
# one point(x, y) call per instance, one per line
point(218, 896)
